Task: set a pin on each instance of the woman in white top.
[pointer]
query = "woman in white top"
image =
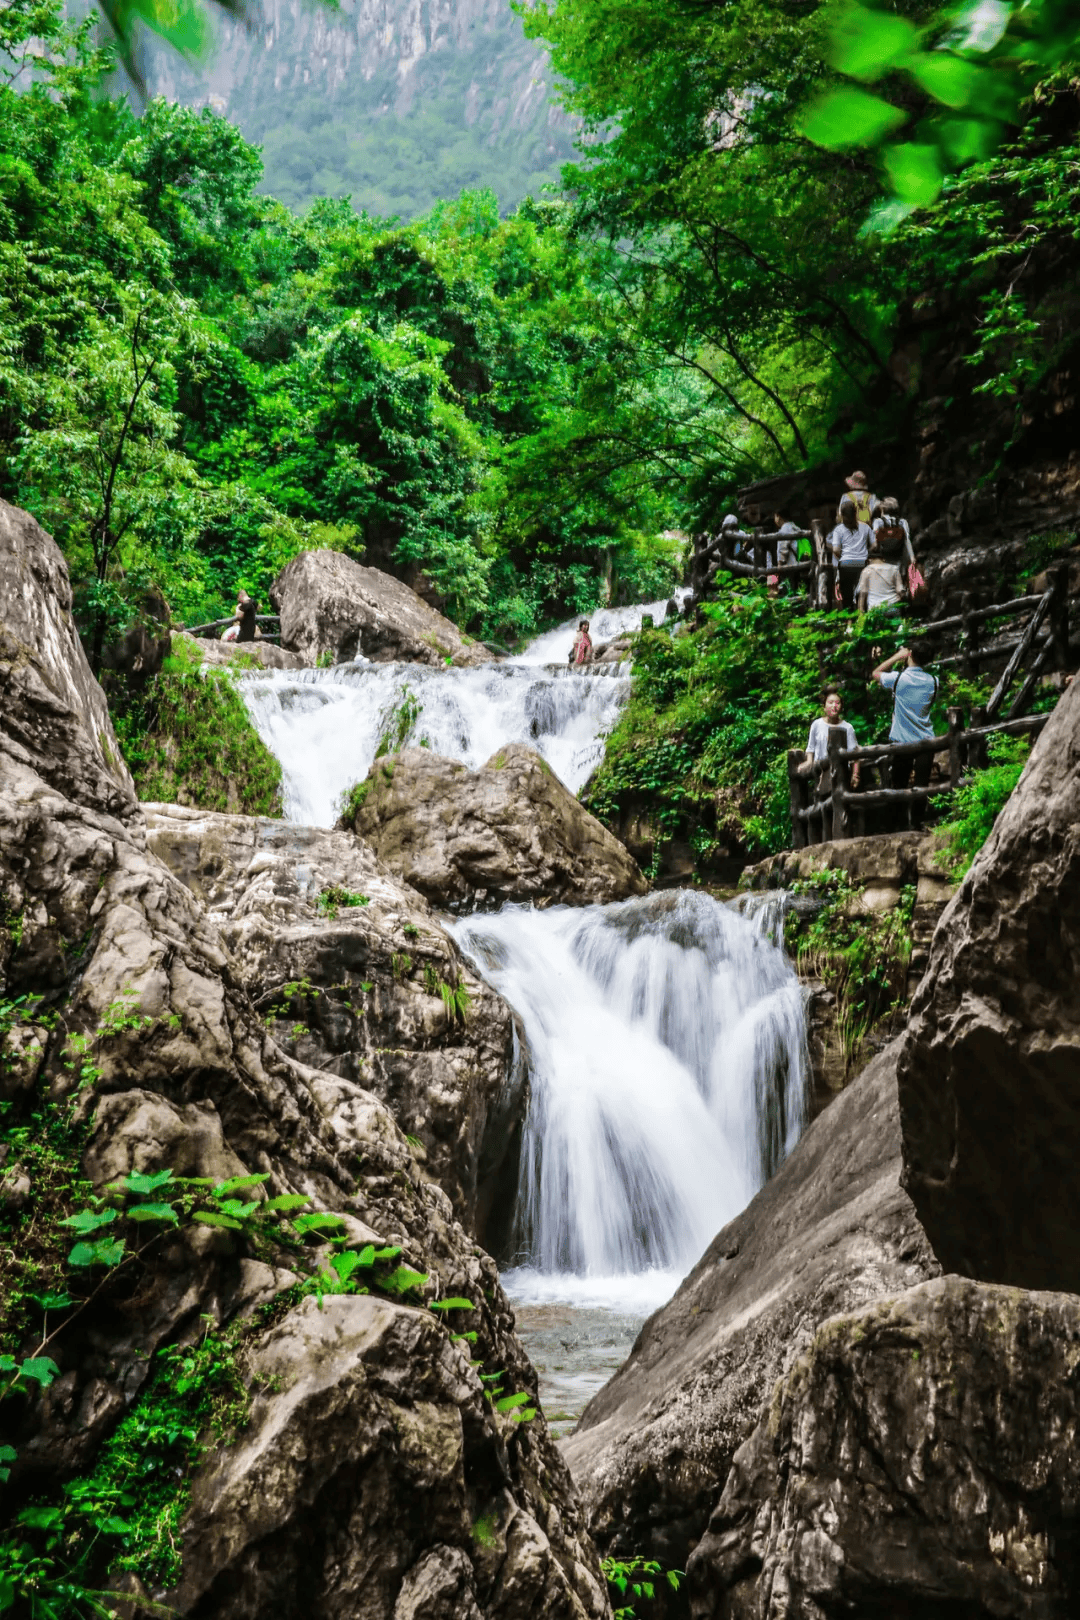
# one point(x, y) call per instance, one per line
point(881, 584)
point(849, 543)
point(817, 744)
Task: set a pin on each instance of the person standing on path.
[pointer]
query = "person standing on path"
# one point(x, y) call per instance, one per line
point(849, 543)
point(859, 492)
point(817, 744)
point(913, 689)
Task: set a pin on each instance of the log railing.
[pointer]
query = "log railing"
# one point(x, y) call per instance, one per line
point(825, 805)
point(209, 630)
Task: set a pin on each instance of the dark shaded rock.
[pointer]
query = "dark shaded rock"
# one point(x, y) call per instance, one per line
point(830, 1232)
point(509, 831)
point(330, 604)
point(918, 1460)
point(362, 990)
point(989, 1071)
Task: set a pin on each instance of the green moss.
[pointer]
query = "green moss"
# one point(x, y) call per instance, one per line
point(189, 740)
point(352, 801)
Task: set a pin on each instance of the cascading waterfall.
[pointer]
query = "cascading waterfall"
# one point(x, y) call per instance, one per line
point(325, 725)
point(666, 1034)
point(668, 1071)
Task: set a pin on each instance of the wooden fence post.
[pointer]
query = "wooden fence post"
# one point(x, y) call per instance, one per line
point(969, 629)
point(1059, 613)
point(956, 726)
point(839, 774)
point(799, 830)
point(978, 753)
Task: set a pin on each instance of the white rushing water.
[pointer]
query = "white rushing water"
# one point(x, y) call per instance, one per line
point(668, 1073)
point(553, 647)
point(324, 725)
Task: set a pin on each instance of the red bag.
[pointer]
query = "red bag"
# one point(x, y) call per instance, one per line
point(918, 590)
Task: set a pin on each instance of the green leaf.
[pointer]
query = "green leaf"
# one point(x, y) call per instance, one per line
point(106, 1252)
point(39, 1516)
point(89, 1220)
point(390, 1253)
point(846, 118)
point(152, 1212)
point(210, 1218)
point(8, 1594)
point(238, 1210)
point(402, 1279)
point(967, 140)
point(138, 1183)
point(865, 44)
point(41, 1369)
point(318, 1223)
point(949, 79)
point(287, 1202)
point(915, 173)
point(508, 1402)
point(53, 1302)
point(237, 1182)
point(451, 1305)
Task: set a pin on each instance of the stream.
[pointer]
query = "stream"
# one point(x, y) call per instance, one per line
point(666, 1033)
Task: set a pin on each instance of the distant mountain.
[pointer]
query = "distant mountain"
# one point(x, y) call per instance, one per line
point(394, 102)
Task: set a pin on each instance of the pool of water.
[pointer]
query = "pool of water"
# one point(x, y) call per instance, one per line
point(575, 1350)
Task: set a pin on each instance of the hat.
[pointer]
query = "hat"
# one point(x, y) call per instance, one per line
point(857, 481)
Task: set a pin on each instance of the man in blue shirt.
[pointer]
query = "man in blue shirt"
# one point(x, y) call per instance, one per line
point(913, 689)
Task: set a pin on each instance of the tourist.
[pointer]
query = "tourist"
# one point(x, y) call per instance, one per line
point(881, 585)
point(885, 523)
point(245, 625)
point(913, 689)
point(817, 744)
point(581, 652)
point(849, 543)
point(859, 493)
point(787, 549)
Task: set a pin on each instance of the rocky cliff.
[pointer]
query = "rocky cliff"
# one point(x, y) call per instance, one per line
point(855, 1436)
point(352, 1460)
point(397, 102)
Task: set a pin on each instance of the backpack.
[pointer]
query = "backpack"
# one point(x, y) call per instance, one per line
point(863, 502)
point(889, 541)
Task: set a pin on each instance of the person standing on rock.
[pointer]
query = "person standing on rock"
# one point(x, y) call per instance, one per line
point(849, 543)
point(581, 653)
point(246, 626)
point(914, 690)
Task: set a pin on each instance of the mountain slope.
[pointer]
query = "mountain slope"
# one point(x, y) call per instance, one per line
point(394, 102)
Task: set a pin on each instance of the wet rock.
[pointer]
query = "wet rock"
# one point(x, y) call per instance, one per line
point(919, 1458)
point(830, 1232)
point(330, 604)
point(363, 987)
point(476, 839)
point(988, 1093)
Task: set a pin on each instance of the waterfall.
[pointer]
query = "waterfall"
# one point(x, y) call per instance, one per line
point(325, 725)
point(605, 624)
point(666, 1041)
point(666, 1034)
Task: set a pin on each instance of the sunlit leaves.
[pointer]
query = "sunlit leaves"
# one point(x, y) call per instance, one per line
point(846, 118)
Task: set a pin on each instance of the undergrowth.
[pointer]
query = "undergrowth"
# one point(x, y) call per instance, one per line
point(188, 739)
point(974, 808)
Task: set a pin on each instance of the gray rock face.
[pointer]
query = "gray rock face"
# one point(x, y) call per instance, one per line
point(330, 604)
point(363, 991)
point(190, 1075)
point(918, 1459)
point(988, 1072)
point(476, 839)
point(55, 718)
point(218, 653)
point(831, 1231)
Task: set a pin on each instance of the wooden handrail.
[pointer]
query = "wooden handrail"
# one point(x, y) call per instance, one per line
point(218, 624)
point(1004, 610)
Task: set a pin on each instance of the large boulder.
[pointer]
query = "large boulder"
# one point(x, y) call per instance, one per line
point(990, 1069)
point(354, 975)
point(832, 1231)
point(918, 1459)
point(146, 1052)
point(476, 839)
point(331, 604)
point(238, 654)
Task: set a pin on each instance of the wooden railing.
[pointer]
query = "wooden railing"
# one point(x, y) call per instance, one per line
point(825, 805)
point(209, 630)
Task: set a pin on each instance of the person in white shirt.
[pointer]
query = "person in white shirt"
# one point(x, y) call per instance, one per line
point(817, 744)
point(849, 543)
point(881, 584)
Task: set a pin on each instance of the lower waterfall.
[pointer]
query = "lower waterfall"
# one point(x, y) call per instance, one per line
point(668, 1073)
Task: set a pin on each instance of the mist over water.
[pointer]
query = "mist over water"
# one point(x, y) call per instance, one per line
point(667, 1046)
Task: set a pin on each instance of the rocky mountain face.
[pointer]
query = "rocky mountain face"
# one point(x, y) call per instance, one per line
point(822, 1422)
point(371, 1450)
point(396, 102)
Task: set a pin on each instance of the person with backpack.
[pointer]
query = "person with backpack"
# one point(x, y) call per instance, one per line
point(891, 531)
point(849, 543)
point(859, 492)
point(914, 690)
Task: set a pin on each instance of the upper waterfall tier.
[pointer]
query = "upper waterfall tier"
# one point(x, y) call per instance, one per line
point(326, 725)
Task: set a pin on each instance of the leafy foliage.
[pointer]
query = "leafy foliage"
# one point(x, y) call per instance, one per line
point(975, 807)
